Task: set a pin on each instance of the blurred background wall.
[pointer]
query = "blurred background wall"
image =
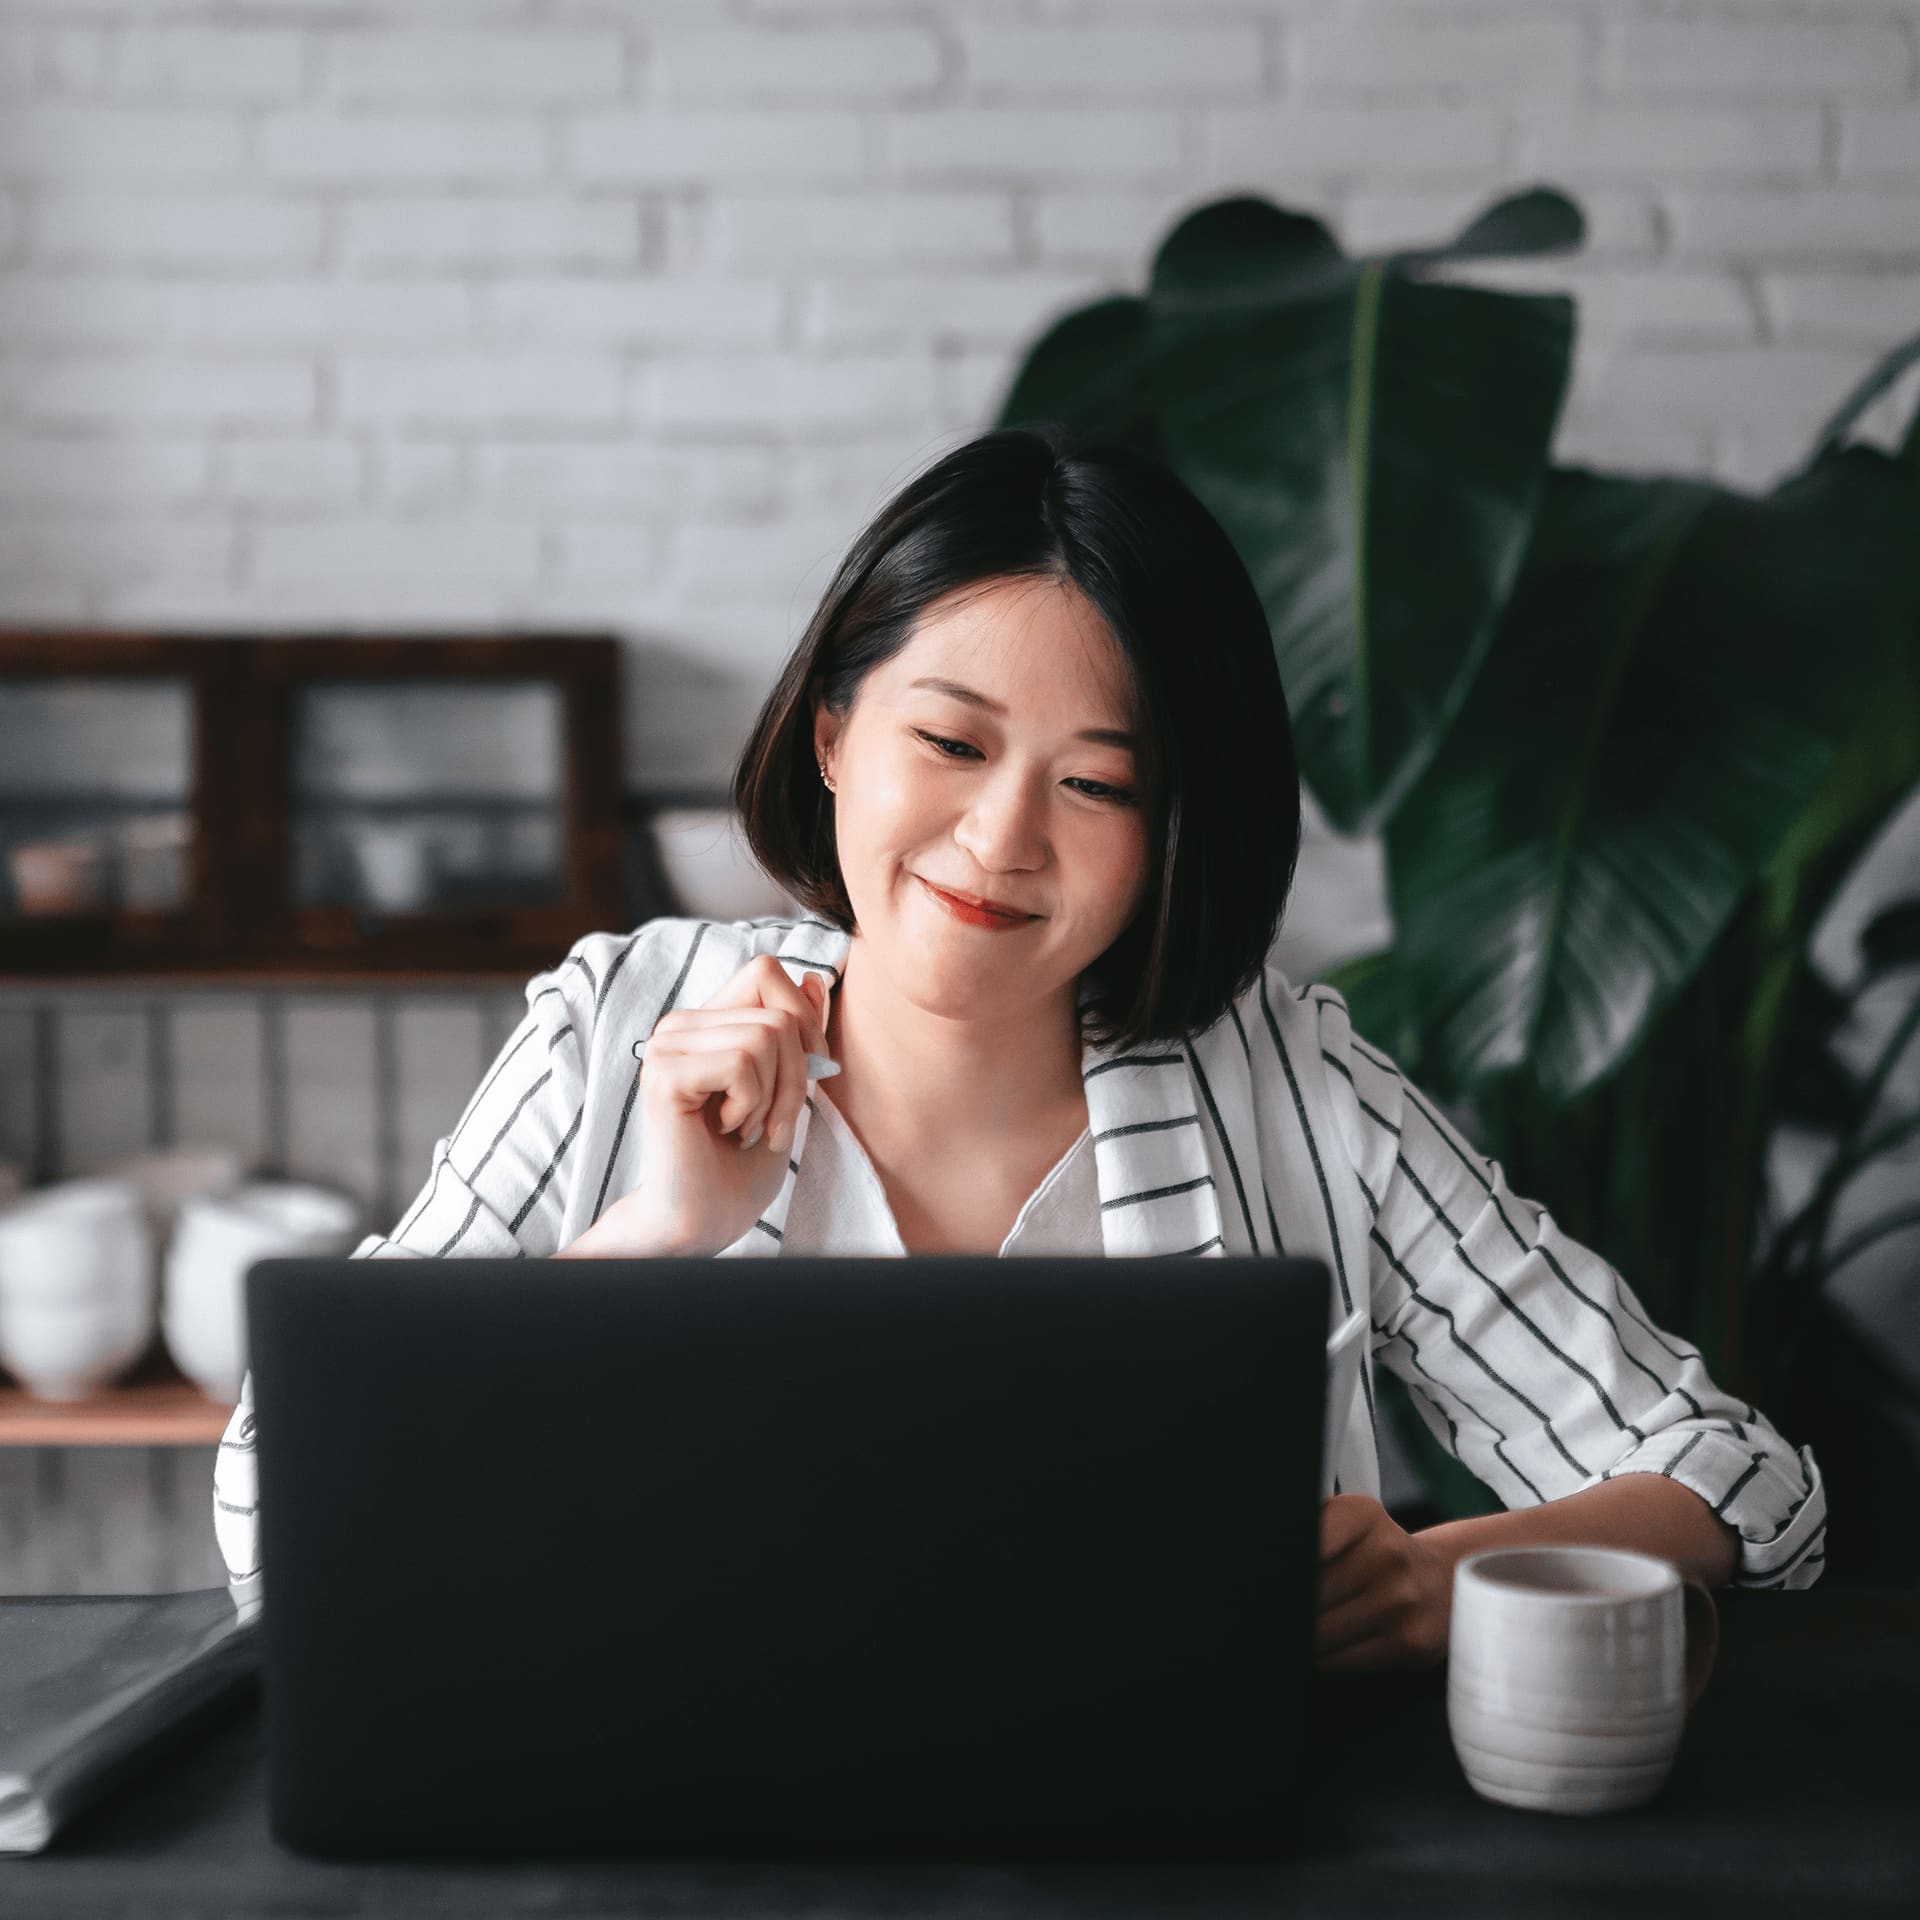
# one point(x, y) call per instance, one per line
point(626, 317)
point(630, 314)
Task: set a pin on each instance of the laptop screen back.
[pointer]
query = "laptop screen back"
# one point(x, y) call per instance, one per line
point(799, 1558)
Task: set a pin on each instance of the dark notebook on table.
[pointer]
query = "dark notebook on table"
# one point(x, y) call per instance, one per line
point(952, 1557)
point(92, 1686)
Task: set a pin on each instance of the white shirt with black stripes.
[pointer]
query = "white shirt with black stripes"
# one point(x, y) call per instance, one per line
point(1277, 1130)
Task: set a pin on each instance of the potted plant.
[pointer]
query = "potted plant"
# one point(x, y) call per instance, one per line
point(1622, 739)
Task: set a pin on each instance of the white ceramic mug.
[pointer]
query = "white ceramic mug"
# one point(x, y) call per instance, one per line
point(1571, 1671)
point(216, 1238)
point(76, 1286)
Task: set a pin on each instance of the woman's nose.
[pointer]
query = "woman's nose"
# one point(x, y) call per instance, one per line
point(1004, 827)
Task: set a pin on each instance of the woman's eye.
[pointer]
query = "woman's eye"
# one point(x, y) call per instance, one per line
point(943, 744)
point(1101, 791)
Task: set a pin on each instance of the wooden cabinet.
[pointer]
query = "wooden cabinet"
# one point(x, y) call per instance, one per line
point(318, 806)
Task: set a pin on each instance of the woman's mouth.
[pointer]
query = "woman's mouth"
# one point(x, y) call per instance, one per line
point(972, 916)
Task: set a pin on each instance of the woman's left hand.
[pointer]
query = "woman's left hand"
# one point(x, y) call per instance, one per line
point(1384, 1599)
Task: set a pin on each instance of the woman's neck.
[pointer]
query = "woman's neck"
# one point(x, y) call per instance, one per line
point(912, 1082)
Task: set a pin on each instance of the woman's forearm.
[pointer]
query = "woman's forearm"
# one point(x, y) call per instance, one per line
point(1645, 1512)
point(628, 1230)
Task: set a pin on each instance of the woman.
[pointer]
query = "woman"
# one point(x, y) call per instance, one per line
point(1042, 683)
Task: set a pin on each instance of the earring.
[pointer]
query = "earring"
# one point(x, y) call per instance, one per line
point(823, 776)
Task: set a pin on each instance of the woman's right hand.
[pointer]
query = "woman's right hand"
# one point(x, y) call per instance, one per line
point(714, 1077)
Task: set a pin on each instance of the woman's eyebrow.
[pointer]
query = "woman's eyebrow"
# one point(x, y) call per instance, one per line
point(1106, 736)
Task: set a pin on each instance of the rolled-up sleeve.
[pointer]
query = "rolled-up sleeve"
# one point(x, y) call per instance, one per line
point(236, 1504)
point(496, 1187)
point(1526, 1355)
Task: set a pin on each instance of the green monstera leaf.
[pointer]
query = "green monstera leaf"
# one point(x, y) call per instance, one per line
point(1373, 442)
point(1091, 369)
point(1665, 697)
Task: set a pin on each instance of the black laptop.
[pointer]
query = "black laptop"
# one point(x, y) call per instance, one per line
point(956, 1557)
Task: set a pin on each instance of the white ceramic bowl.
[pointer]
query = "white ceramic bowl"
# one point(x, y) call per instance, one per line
point(166, 1179)
point(711, 869)
point(76, 1240)
point(216, 1239)
point(76, 1287)
point(69, 1350)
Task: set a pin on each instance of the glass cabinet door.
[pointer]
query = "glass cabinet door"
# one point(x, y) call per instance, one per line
point(96, 796)
point(312, 805)
point(425, 796)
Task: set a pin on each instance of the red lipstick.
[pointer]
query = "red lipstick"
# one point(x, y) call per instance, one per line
point(977, 916)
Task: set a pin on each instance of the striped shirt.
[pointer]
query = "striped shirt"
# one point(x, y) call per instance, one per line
point(1278, 1130)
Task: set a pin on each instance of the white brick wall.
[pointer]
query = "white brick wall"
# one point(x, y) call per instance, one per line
point(627, 313)
point(609, 292)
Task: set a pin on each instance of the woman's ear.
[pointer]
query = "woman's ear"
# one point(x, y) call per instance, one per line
point(826, 730)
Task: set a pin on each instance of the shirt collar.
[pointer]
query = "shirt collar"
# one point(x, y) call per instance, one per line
point(1157, 1191)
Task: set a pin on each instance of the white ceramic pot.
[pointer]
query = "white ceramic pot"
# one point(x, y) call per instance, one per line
point(706, 860)
point(165, 1181)
point(216, 1239)
point(76, 1286)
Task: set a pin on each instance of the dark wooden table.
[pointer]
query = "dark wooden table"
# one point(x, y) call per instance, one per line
point(1797, 1791)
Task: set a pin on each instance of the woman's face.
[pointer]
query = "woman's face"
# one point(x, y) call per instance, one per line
point(1006, 802)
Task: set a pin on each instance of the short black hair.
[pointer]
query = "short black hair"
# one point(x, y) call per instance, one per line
point(1218, 777)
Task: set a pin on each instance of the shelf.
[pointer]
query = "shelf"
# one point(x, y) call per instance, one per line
point(485, 806)
point(352, 978)
point(259, 893)
point(153, 1405)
